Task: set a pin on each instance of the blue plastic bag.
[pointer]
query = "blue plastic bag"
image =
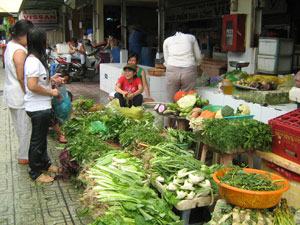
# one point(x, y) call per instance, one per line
point(62, 105)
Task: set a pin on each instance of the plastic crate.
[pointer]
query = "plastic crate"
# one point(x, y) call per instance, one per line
point(286, 135)
point(284, 172)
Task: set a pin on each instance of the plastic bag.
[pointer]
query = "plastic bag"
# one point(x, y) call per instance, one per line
point(62, 105)
point(97, 127)
point(133, 112)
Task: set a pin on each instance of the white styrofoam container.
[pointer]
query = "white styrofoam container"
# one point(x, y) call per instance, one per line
point(275, 46)
point(273, 64)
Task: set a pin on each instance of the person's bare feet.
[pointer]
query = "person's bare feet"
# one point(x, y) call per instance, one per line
point(43, 178)
point(55, 169)
point(62, 139)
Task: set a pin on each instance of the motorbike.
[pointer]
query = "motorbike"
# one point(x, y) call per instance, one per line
point(59, 64)
point(76, 71)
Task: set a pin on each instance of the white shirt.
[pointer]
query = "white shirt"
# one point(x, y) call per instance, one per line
point(181, 50)
point(34, 68)
point(13, 94)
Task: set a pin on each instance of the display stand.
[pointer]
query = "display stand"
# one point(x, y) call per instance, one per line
point(181, 122)
point(185, 206)
point(226, 159)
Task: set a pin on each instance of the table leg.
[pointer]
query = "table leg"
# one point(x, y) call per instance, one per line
point(197, 150)
point(226, 159)
point(250, 159)
point(185, 216)
point(181, 124)
point(215, 158)
point(203, 153)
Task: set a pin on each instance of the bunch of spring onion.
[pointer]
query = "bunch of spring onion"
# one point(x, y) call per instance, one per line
point(119, 180)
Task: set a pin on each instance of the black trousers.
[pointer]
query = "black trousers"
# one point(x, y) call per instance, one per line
point(136, 101)
point(38, 156)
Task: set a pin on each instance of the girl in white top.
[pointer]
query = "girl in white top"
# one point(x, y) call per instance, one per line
point(38, 105)
point(14, 57)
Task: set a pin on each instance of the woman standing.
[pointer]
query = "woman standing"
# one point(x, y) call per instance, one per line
point(15, 55)
point(38, 105)
point(182, 55)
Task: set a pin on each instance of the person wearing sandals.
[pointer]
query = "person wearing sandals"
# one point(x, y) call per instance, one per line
point(38, 105)
point(14, 89)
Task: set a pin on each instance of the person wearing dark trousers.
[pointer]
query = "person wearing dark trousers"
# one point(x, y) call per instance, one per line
point(136, 101)
point(129, 88)
point(37, 101)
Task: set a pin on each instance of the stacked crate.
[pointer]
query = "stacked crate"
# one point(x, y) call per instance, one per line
point(275, 55)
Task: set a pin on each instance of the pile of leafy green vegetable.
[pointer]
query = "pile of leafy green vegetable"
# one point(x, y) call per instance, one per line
point(226, 214)
point(82, 105)
point(182, 176)
point(85, 147)
point(140, 133)
point(239, 178)
point(119, 180)
point(181, 137)
point(283, 214)
point(227, 136)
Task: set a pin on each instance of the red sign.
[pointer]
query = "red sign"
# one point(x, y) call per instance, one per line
point(40, 16)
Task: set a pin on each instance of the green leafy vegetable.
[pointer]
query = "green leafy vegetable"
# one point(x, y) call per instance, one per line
point(239, 178)
point(227, 136)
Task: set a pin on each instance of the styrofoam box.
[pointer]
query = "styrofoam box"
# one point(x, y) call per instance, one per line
point(274, 64)
point(275, 46)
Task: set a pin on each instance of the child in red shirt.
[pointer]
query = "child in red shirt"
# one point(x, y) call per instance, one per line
point(129, 88)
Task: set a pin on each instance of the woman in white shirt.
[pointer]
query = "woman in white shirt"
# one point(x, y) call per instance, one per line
point(38, 105)
point(182, 55)
point(14, 90)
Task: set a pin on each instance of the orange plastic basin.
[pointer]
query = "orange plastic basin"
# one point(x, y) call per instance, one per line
point(251, 199)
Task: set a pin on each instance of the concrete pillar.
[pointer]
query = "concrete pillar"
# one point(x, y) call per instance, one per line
point(124, 24)
point(160, 27)
point(98, 21)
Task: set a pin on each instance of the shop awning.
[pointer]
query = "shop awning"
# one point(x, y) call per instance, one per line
point(41, 4)
point(10, 6)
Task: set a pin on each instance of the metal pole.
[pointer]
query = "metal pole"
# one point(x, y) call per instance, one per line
point(123, 24)
point(160, 26)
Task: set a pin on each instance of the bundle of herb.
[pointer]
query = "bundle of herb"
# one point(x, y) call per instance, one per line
point(239, 178)
point(227, 136)
point(141, 133)
point(85, 147)
point(181, 137)
point(82, 105)
point(283, 214)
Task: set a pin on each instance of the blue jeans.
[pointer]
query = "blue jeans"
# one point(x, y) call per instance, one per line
point(38, 156)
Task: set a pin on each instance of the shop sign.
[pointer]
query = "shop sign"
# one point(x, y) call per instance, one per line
point(203, 9)
point(40, 16)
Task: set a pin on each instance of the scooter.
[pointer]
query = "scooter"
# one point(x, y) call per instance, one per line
point(60, 64)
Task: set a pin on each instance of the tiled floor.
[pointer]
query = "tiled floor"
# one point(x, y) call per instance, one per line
point(22, 201)
point(88, 90)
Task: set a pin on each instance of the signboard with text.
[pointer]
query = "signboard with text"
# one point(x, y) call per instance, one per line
point(40, 16)
point(189, 10)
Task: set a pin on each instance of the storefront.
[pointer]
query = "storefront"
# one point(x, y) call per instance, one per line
point(48, 15)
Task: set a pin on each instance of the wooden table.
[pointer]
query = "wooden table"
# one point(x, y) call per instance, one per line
point(185, 206)
point(225, 159)
point(280, 161)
